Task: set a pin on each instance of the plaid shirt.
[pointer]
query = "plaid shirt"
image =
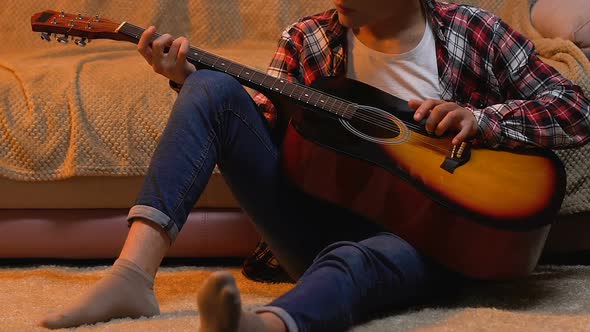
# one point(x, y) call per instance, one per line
point(483, 65)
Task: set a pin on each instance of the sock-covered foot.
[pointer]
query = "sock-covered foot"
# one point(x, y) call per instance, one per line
point(220, 307)
point(126, 291)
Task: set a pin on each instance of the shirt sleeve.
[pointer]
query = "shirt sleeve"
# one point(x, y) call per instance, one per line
point(285, 65)
point(542, 107)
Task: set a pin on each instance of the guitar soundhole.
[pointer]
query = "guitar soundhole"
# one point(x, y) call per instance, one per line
point(376, 125)
point(385, 129)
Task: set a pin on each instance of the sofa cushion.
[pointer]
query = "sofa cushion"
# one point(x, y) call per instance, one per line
point(569, 20)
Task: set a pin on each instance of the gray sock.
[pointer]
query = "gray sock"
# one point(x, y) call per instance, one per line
point(220, 307)
point(126, 291)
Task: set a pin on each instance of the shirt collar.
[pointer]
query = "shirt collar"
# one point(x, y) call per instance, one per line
point(336, 32)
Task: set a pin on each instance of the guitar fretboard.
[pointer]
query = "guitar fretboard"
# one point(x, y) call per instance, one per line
point(260, 81)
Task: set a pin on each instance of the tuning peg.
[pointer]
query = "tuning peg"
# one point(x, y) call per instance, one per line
point(46, 36)
point(80, 42)
point(63, 39)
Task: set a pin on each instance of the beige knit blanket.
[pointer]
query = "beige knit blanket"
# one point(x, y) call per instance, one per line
point(68, 111)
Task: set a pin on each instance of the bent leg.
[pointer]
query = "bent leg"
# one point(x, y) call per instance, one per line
point(183, 154)
point(215, 121)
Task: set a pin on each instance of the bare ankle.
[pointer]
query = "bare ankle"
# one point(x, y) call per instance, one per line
point(146, 245)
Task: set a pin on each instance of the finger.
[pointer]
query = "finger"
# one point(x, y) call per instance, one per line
point(450, 119)
point(173, 52)
point(159, 46)
point(423, 111)
point(414, 103)
point(143, 46)
point(182, 51)
point(462, 136)
point(447, 123)
point(438, 113)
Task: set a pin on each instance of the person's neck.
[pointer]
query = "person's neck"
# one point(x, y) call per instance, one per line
point(399, 33)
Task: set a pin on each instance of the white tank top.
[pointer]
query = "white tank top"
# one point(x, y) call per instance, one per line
point(410, 75)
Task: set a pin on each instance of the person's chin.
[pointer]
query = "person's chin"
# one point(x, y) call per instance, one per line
point(348, 22)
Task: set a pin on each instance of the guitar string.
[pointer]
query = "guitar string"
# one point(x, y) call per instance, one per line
point(371, 117)
point(413, 138)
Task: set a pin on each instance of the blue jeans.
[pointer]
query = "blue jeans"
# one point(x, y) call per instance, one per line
point(348, 268)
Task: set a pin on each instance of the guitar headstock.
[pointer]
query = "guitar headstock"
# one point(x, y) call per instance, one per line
point(65, 26)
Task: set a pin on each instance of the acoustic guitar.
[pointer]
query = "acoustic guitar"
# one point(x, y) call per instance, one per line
point(484, 213)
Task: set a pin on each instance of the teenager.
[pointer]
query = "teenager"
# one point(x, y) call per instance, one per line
point(464, 72)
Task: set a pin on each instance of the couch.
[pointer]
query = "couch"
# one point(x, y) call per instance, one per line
point(78, 126)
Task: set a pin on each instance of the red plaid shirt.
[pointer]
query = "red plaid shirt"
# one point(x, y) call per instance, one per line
point(483, 65)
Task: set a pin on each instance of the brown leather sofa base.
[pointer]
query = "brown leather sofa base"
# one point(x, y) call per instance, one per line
point(569, 234)
point(100, 233)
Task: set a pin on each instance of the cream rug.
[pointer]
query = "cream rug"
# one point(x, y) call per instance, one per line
point(552, 299)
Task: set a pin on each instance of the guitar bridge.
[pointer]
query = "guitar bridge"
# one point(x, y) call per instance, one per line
point(459, 155)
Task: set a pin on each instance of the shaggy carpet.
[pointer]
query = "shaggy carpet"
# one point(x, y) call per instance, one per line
point(554, 298)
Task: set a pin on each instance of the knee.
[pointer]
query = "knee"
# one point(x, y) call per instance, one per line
point(343, 254)
point(213, 82)
point(384, 253)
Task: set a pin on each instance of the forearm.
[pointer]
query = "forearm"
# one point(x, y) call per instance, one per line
point(557, 119)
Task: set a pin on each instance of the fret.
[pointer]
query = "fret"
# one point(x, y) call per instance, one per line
point(213, 65)
point(234, 69)
point(348, 114)
point(314, 98)
point(207, 58)
point(307, 94)
point(252, 76)
point(319, 99)
point(262, 79)
point(282, 84)
point(247, 74)
point(331, 108)
point(273, 85)
point(204, 59)
point(268, 81)
point(288, 85)
point(298, 92)
point(304, 94)
point(224, 65)
point(198, 54)
point(241, 71)
point(338, 106)
point(229, 68)
point(324, 100)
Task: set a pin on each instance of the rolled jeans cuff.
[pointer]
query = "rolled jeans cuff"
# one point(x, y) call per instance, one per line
point(155, 216)
point(282, 314)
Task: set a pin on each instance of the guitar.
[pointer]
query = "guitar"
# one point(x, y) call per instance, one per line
point(484, 213)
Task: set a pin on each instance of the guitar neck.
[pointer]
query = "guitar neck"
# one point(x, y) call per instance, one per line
point(297, 93)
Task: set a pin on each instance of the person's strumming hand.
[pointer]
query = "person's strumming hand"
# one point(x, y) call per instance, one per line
point(442, 116)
